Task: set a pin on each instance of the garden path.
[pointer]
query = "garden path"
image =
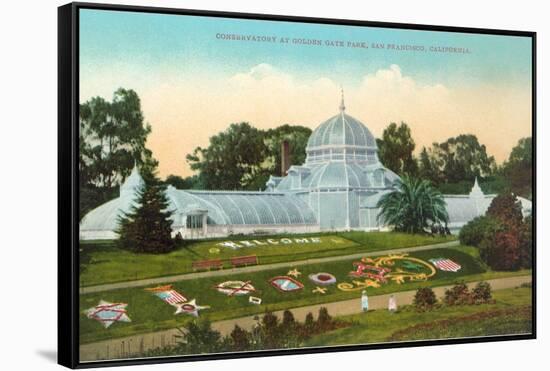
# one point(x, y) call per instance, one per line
point(125, 347)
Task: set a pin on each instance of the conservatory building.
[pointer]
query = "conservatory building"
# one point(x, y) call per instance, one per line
point(337, 188)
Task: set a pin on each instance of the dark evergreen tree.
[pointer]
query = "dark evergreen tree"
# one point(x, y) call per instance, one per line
point(309, 323)
point(147, 227)
point(198, 337)
point(240, 339)
point(324, 320)
point(270, 333)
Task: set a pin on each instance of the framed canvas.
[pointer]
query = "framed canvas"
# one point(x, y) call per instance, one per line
point(238, 185)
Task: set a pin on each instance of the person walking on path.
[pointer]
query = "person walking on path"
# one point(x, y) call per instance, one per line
point(364, 301)
point(392, 304)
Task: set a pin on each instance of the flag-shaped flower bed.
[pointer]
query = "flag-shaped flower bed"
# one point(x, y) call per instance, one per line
point(167, 294)
point(446, 265)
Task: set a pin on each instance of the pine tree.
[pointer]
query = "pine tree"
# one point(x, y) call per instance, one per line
point(240, 339)
point(147, 227)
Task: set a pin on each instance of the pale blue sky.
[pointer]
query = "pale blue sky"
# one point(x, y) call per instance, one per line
point(193, 85)
point(189, 42)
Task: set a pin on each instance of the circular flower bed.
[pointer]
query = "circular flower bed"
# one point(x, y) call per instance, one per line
point(322, 278)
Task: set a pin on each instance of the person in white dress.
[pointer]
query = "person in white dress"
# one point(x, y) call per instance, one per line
point(392, 304)
point(364, 301)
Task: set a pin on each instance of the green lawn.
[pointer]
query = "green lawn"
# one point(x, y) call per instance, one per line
point(511, 314)
point(149, 313)
point(102, 262)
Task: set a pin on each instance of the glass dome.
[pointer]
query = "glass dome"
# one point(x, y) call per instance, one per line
point(342, 137)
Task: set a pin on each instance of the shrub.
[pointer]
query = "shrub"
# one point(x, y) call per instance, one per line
point(502, 250)
point(482, 293)
point(504, 239)
point(507, 209)
point(198, 337)
point(270, 331)
point(526, 243)
point(459, 294)
point(477, 229)
point(240, 339)
point(324, 320)
point(288, 319)
point(309, 323)
point(424, 298)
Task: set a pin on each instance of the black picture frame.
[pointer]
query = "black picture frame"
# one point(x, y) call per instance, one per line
point(68, 192)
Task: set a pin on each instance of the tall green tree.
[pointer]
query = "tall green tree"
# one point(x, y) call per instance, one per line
point(243, 157)
point(147, 227)
point(518, 169)
point(413, 206)
point(461, 158)
point(428, 168)
point(395, 149)
point(233, 158)
point(112, 139)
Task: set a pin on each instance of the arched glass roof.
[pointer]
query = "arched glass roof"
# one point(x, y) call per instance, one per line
point(224, 208)
point(256, 208)
point(341, 130)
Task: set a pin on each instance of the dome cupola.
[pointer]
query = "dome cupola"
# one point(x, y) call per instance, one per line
point(342, 138)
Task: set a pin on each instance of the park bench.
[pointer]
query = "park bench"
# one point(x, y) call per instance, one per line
point(207, 264)
point(239, 261)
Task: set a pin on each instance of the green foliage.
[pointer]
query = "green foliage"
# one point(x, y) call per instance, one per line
point(457, 159)
point(147, 227)
point(198, 337)
point(459, 294)
point(503, 236)
point(413, 206)
point(270, 331)
point(478, 229)
point(482, 292)
point(501, 251)
point(518, 170)
point(309, 322)
point(232, 159)
point(395, 149)
point(112, 139)
point(424, 299)
point(296, 136)
point(243, 157)
point(507, 209)
point(240, 339)
point(324, 320)
point(526, 242)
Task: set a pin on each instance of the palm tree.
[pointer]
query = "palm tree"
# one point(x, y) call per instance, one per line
point(413, 206)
